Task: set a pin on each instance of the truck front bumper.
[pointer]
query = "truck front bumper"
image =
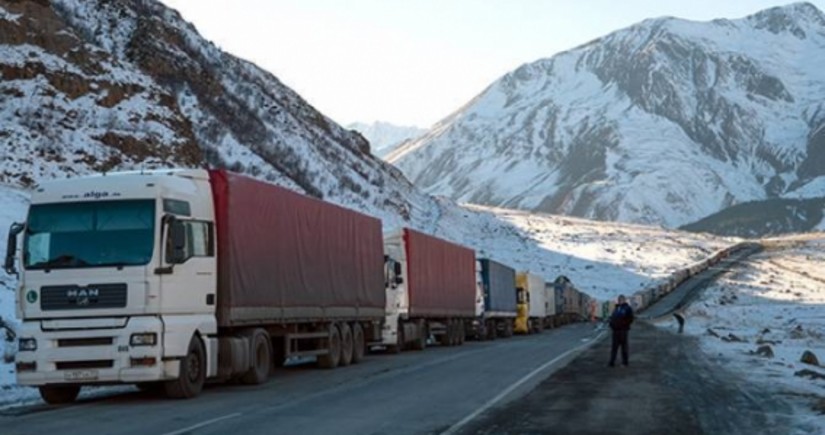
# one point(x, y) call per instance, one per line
point(103, 355)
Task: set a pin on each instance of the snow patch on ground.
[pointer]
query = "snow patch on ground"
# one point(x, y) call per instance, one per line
point(604, 259)
point(776, 298)
point(14, 203)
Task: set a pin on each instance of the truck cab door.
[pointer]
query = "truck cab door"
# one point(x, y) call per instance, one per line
point(189, 273)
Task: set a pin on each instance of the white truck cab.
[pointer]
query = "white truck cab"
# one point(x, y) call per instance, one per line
point(398, 300)
point(117, 278)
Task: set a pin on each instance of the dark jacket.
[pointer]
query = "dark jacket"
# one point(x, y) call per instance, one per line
point(621, 318)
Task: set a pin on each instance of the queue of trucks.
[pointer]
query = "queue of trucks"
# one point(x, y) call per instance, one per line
point(169, 279)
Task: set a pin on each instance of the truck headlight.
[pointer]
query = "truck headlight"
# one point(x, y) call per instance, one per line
point(27, 344)
point(144, 339)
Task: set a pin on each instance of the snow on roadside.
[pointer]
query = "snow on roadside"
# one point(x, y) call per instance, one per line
point(13, 209)
point(777, 298)
point(604, 259)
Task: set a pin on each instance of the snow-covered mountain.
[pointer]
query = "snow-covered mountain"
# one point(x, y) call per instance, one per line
point(664, 122)
point(385, 137)
point(96, 85)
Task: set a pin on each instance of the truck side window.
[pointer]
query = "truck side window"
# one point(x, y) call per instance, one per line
point(199, 240)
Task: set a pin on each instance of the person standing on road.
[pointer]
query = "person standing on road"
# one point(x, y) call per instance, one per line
point(620, 322)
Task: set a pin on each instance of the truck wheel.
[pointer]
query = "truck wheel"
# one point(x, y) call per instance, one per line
point(359, 346)
point(331, 360)
point(492, 332)
point(452, 334)
point(508, 329)
point(346, 344)
point(421, 339)
point(461, 333)
point(446, 338)
point(480, 333)
point(59, 394)
point(192, 373)
point(260, 358)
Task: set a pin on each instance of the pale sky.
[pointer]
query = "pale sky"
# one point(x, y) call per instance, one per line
point(414, 62)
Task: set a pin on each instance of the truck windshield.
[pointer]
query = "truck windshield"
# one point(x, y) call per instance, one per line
point(90, 234)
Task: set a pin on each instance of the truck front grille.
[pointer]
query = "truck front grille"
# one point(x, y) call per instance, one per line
point(76, 342)
point(74, 365)
point(72, 297)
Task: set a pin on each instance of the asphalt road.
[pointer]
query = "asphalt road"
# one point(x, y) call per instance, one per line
point(670, 387)
point(414, 392)
point(689, 290)
point(476, 388)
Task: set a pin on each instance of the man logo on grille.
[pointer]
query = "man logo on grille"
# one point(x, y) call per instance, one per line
point(83, 297)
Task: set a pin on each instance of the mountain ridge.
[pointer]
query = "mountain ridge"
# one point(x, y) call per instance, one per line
point(634, 125)
point(91, 86)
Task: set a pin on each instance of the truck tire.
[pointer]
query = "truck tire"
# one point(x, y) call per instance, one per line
point(452, 334)
point(260, 358)
point(359, 345)
point(420, 341)
point(480, 331)
point(492, 332)
point(461, 334)
point(346, 344)
point(446, 338)
point(192, 373)
point(59, 394)
point(508, 328)
point(331, 359)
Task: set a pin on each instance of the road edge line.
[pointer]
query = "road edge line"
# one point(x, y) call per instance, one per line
point(202, 424)
point(490, 403)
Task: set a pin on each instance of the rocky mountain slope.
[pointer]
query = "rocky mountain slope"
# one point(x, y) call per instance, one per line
point(104, 85)
point(664, 122)
point(97, 85)
point(385, 137)
point(120, 84)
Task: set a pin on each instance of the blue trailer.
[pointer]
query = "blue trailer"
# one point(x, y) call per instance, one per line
point(498, 284)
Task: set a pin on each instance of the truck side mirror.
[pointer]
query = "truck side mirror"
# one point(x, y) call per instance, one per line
point(11, 248)
point(177, 236)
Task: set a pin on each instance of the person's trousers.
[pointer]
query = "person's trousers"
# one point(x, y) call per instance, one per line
point(619, 340)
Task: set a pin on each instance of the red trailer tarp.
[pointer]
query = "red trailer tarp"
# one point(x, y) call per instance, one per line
point(441, 275)
point(285, 257)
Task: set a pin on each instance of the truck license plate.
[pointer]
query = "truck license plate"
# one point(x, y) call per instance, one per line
point(81, 375)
